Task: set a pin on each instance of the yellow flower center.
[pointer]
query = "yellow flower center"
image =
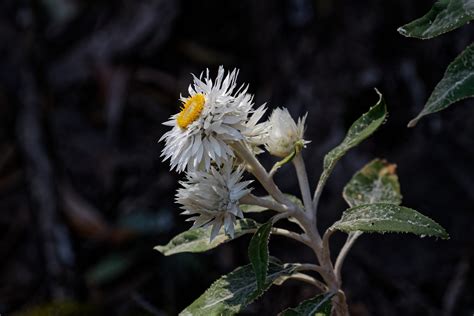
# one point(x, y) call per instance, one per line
point(191, 110)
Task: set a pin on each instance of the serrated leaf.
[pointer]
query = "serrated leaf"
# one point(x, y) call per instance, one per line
point(197, 240)
point(376, 182)
point(258, 253)
point(444, 16)
point(316, 306)
point(384, 218)
point(246, 208)
point(362, 128)
point(457, 84)
point(232, 292)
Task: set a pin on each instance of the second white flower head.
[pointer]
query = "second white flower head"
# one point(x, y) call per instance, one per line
point(213, 197)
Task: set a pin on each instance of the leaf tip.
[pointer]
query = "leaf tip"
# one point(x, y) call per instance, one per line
point(160, 249)
point(402, 31)
point(413, 122)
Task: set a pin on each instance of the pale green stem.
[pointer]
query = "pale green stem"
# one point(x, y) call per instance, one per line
point(298, 162)
point(310, 267)
point(260, 173)
point(351, 238)
point(267, 203)
point(310, 280)
point(317, 195)
point(289, 234)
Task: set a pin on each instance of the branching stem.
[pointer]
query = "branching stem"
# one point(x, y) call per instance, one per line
point(306, 220)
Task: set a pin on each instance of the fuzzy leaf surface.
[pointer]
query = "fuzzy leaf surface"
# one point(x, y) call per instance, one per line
point(388, 218)
point(258, 253)
point(444, 16)
point(457, 84)
point(197, 240)
point(376, 182)
point(317, 306)
point(232, 292)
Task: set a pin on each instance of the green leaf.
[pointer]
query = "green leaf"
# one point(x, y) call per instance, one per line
point(444, 16)
point(258, 253)
point(377, 182)
point(316, 306)
point(197, 240)
point(457, 84)
point(362, 128)
point(232, 292)
point(384, 217)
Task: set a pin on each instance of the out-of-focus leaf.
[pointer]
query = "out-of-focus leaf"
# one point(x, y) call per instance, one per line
point(197, 240)
point(146, 222)
point(444, 16)
point(362, 128)
point(60, 308)
point(457, 84)
point(377, 182)
point(258, 253)
point(232, 292)
point(316, 306)
point(110, 268)
point(384, 218)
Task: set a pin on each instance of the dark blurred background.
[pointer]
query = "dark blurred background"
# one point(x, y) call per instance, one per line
point(84, 197)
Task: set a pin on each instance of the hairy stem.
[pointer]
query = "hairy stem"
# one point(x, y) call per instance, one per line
point(298, 162)
point(351, 238)
point(317, 195)
point(254, 167)
point(264, 202)
point(306, 220)
point(310, 267)
point(310, 280)
point(289, 234)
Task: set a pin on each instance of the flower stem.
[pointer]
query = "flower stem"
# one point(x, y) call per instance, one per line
point(260, 173)
point(298, 162)
point(263, 202)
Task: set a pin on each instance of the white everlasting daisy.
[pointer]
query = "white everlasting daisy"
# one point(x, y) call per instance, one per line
point(256, 133)
point(214, 115)
point(213, 198)
point(284, 133)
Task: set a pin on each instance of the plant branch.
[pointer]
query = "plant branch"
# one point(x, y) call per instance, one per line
point(351, 238)
point(298, 162)
point(290, 234)
point(310, 280)
point(263, 202)
point(256, 168)
point(317, 194)
point(310, 267)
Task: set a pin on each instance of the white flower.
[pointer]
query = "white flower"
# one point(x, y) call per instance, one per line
point(284, 133)
point(213, 198)
point(213, 116)
point(256, 133)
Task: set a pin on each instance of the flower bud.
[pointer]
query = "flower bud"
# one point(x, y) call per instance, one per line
point(284, 134)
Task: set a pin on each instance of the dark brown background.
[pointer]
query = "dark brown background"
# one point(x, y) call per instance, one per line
point(85, 86)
